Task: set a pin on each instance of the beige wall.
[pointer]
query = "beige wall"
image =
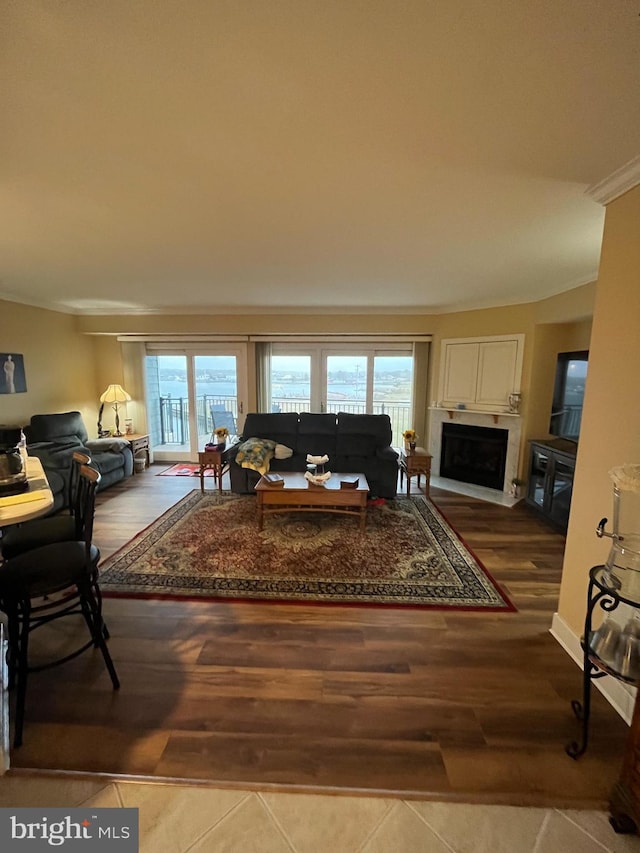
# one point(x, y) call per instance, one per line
point(572, 305)
point(59, 364)
point(256, 324)
point(610, 432)
point(106, 360)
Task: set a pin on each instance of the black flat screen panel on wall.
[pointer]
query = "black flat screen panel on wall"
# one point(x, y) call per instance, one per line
point(568, 394)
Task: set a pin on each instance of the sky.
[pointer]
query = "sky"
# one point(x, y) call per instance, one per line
point(292, 363)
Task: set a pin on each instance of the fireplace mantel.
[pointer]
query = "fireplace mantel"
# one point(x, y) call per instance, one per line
point(512, 422)
point(495, 416)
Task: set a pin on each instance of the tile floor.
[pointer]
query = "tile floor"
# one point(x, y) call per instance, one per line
point(181, 818)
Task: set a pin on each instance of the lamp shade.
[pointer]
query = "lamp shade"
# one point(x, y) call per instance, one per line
point(115, 394)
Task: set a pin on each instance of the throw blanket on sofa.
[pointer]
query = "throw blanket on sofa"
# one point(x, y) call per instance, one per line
point(256, 453)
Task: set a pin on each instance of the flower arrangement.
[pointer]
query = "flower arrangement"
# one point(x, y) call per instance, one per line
point(516, 484)
point(221, 434)
point(409, 435)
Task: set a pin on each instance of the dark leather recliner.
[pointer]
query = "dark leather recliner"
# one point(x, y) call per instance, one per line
point(54, 439)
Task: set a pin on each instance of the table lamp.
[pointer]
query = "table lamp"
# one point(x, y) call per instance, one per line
point(115, 394)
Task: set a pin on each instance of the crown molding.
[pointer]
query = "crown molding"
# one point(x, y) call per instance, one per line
point(621, 181)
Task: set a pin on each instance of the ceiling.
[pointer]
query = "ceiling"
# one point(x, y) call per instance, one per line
point(376, 155)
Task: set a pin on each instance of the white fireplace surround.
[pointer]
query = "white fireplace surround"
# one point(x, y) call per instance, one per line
point(512, 423)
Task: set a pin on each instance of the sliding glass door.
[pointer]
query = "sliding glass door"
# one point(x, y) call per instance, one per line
point(189, 393)
point(345, 383)
point(290, 380)
point(354, 379)
point(392, 390)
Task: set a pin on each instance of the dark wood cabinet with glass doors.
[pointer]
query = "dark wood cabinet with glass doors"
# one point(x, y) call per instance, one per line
point(550, 479)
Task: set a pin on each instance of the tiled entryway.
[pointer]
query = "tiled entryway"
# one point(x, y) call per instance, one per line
point(181, 818)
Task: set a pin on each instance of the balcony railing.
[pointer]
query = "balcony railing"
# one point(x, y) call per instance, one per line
point(174, 414)
point(567, 421)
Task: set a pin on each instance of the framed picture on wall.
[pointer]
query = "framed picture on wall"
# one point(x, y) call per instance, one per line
point(12, 376)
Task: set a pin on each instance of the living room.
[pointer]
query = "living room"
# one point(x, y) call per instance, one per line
point(72, 354)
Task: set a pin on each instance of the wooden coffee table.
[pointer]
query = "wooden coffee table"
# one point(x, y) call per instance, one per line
point(300, 495)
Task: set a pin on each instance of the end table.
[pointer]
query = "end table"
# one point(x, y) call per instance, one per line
point(414, 463)
point(213, 460)
point(138, 441)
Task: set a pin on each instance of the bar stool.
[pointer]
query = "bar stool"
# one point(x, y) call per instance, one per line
point(48, 583)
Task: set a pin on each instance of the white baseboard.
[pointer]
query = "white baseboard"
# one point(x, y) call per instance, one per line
point(619, 695)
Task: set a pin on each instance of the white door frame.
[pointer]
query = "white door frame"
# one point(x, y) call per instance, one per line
point(190, 351)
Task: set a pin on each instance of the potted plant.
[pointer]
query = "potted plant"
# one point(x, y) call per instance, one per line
point(516, 486)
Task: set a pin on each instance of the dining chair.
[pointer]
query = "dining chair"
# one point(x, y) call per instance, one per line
point(61, 527)
point(48, 583)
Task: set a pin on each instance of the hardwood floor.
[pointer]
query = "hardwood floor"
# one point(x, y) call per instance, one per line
point(451, 705)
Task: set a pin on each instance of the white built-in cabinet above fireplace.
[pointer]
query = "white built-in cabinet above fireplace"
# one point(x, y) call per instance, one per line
point(480, 373)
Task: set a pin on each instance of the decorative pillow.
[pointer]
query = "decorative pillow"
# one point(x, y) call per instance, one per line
point(256, 453)
point(283, 452)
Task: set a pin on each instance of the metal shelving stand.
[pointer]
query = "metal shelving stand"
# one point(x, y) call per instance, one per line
point(602, 594)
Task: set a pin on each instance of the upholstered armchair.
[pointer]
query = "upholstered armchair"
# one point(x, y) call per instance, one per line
point(54, 438)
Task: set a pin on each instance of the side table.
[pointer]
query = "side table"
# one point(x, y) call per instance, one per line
point(212, 459)
point(138, 441)
point(414, 463)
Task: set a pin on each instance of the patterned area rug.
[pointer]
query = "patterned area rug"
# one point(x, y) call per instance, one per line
point(184, 469)
point(208, 546)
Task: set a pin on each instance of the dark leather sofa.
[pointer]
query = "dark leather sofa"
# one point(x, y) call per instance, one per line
point(54, 438)
point(353, 443)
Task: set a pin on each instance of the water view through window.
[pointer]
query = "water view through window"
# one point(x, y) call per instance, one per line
point(183, 421)
point(358, 383)
point(215, 375)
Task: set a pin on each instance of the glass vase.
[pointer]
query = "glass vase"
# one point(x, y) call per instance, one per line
point(623, 562)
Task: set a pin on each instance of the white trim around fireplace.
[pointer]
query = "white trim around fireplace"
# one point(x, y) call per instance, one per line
point(483, 419)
